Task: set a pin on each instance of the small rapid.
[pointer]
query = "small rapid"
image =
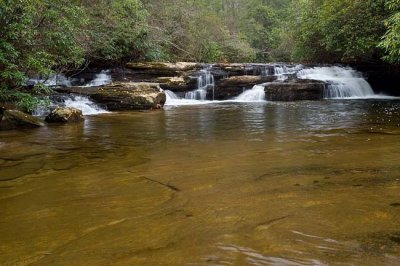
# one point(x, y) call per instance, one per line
point(256, 94)
point(84, 104)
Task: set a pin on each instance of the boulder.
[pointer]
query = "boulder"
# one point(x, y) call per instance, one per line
point(130, 96)
point(65, 115)
point(295, 90)
point(245, 81)
point(14, 119)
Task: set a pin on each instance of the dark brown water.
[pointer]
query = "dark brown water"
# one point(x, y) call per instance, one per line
point(311, 183)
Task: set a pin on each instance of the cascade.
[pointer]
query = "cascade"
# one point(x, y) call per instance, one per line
point(204, 82)
point(256, 94)
point(342, 82)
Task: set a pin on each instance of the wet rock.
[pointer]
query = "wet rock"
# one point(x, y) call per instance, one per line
point(65, 115)
point(130, 96)
point(14, 119)
point(245, 80)
point(295, 90)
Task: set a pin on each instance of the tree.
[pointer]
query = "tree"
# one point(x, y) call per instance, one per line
point(37, 37)
point(116, 30)
point(338, 30)
point(391, 40)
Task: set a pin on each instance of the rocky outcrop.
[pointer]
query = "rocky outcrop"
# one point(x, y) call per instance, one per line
point(295, 90)
point(245, 80)
point(177, 84)
point(14, 119)
point(65, 115)
point(130, 96)
point(163, 69)
point(240, 69)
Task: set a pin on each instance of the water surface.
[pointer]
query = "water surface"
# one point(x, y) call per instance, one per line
point(310, 183)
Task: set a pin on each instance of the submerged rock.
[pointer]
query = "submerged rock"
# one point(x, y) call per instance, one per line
point(14, 119)
point(130, 96)
point(295, 90)
point(65, 115)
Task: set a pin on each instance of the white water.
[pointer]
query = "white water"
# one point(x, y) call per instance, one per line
point(204, 82)
point(85, 105)
point(256, 94)
point(342, 82)
point(103, 78)
point(174, 100)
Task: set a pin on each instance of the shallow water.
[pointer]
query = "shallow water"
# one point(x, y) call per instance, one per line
point(310, 183)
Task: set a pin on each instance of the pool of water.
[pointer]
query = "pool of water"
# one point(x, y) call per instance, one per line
point(309, 183)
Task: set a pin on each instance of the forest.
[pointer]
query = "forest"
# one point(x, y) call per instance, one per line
point(43, 37)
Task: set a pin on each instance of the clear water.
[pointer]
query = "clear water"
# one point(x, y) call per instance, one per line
point(310, 183)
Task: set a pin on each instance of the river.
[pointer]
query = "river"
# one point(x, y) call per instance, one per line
point(307, 183)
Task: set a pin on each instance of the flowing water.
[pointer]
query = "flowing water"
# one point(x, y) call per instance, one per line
point(308, 183)
point(205, 81)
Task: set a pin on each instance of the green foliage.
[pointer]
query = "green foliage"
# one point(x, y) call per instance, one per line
point(25, 101)
point(338, 30)
point(116, 29)
point(391, 40)
point(38, 37)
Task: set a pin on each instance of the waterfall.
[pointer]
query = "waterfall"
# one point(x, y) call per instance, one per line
point(204, 82)
point(341, 82)
point(103, 78)
point(256, 94)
